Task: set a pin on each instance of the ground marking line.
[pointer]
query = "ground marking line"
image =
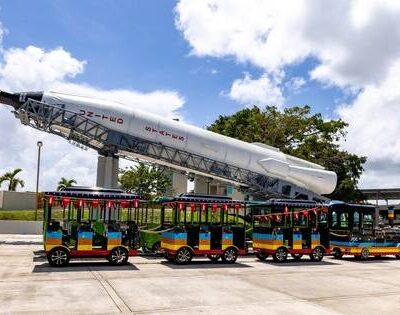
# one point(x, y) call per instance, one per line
point(115, 297)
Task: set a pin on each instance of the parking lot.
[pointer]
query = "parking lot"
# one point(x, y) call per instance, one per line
point(149, 285)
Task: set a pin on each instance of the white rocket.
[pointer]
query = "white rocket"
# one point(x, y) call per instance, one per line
point(256, 157)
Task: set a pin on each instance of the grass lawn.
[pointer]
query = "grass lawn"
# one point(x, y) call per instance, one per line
point(26, 215)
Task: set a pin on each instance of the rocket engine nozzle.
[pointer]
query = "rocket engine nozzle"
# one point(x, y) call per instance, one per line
point(17, 99)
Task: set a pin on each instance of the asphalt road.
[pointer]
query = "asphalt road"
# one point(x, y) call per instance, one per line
point(152, 286)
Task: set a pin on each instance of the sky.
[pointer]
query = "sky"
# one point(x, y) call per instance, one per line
point(196, 60)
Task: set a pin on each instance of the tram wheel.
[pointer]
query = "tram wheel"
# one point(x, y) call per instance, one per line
point(230, 255)
point(296, 256)
point(58, 257)
point(118, 256)
point(214, 257)
point(364, 253)
point(317, 253)
point(262, 256)
point(280, 255)
point(183, 256)
point(337, 253)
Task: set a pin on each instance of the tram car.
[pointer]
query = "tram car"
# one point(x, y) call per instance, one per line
point(81, 222)
point(205, 225)
point(283, 227)
point(354, 231)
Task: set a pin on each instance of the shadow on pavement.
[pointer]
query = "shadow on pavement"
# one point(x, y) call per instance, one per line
point(204, 264)
point(83, 266)
point(151, 256)
point(301, 262)
point(370, 260)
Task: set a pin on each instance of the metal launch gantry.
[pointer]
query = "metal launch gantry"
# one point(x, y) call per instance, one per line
point(77, 128)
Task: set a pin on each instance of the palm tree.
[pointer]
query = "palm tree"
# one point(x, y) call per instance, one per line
point(64, 183)
point(13, 181)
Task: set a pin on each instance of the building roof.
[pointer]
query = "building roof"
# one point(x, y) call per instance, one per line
point(381, 194)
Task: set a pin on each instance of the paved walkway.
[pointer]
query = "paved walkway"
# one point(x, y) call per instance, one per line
point(152, 286)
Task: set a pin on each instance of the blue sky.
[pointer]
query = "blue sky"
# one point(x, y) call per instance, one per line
point(135, 45)
point(201, 59)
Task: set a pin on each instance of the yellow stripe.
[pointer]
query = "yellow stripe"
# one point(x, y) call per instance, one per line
point(204, 247)
point(170, 246)
point(84, 247)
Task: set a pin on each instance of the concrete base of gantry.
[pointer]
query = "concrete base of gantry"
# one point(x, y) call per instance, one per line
point(107, 171)
point(150, 285)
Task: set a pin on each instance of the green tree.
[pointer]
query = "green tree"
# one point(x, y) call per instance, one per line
point(12, 180)
point(298, 132)
point(65, 183)
point(145, 181)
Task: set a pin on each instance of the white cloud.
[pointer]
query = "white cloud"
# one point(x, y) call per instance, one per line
point(374, 129)
point(33, 68)
point(261, 91)
point(356, 45)
point(354, 41)
point(36, 69)
point(295, 84)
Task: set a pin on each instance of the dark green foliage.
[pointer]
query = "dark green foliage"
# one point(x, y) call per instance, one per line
point(298, 132)
point(145, 181)
point(65, 183)
point(12, 180)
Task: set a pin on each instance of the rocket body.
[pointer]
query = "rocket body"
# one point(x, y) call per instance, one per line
point(258, 158)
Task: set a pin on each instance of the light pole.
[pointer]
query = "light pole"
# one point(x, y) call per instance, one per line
point(39, 146)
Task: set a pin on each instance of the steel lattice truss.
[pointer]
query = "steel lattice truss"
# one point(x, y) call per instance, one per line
point(75, 127)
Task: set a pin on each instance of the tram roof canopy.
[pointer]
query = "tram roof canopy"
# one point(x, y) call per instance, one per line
point(92, 193)
point(286, 202)
point(200, 198)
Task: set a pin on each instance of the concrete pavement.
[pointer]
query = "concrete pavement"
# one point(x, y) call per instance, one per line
point(152, 286)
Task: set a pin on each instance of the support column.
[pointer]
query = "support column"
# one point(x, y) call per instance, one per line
point(201, 185)
point(107, 171)
point(178, 183)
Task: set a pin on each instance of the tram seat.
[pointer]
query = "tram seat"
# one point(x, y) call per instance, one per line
point(54, 226)
point(99, 228)
point(204, 228)
point(113, 227)
point(85, 226)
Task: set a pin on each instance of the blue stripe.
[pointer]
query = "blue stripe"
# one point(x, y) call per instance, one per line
point(85, 235)
point(205, 236)
point(365, 244)
point(114, 235)
point(53, 234)
point(175, 236)
point(227, 236)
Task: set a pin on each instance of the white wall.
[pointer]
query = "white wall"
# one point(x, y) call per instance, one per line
point(12, 200)
point(21, 227)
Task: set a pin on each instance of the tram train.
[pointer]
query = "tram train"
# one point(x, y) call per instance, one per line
point(81, 222)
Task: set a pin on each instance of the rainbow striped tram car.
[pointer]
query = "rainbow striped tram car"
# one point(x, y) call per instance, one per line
point(296, 227)
point(90, 223)
point(354, 231)
point(205, 225)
